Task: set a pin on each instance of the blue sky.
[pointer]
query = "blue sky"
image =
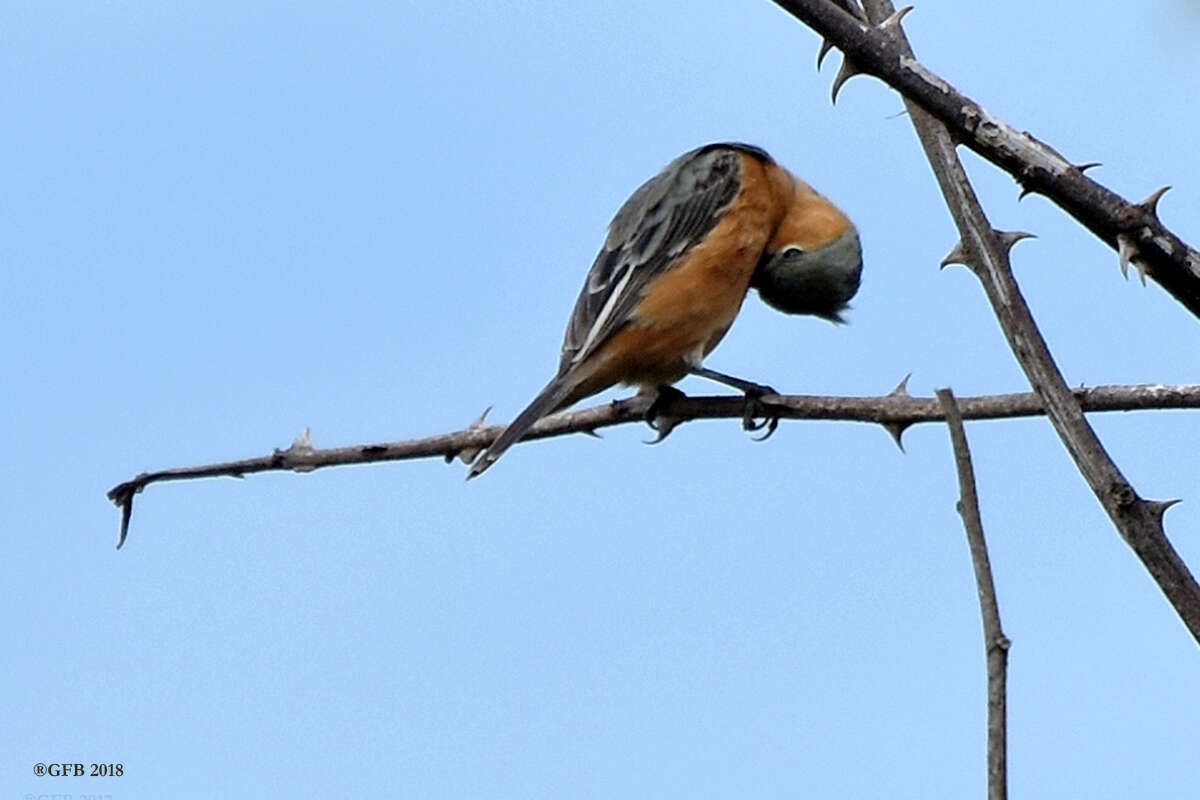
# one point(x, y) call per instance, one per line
point(223, 223)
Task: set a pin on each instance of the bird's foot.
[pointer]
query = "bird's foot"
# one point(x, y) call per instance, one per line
point(755, 407)
point(658, 415)
point(758, 415)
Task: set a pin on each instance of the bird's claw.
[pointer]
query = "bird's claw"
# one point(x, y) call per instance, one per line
point(755, 410)
point(660, 433)
point(768, 425)
point(656, 415)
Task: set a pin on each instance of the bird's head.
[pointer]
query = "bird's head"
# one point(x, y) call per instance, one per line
point(813, 263)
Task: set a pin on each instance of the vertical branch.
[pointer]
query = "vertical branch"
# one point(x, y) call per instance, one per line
point(985, 250)
point(995, 643)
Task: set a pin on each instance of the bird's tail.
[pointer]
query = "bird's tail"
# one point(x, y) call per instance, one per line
point(547, 401)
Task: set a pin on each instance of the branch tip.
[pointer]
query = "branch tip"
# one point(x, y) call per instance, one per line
point(126, 514)
point(122, 496)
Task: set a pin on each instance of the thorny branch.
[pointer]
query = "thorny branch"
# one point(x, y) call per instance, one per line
point(995, 643)
point(895, 412)
point(986, 250)
point(1132, 229)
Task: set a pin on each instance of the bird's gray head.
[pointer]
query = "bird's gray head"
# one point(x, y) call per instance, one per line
point(818, 281)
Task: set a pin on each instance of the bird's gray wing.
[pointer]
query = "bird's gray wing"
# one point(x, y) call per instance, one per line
point(661, 221)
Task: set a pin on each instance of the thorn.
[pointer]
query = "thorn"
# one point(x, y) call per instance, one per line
point(892, 24)
point(1088, 165)
point(1025, 192)
point(303, 442)
point(1159, 507)
point(1010, 238)
point(897, 429)
point(302, 446)
point(850, 8)
point(468, 454)
point(958, 255)
point(1150, 204)
point(591, 433)
point(1127, 253)
point(826, 46)
point(847, 71)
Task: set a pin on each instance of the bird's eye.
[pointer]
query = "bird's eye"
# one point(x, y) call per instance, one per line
point(791, 251)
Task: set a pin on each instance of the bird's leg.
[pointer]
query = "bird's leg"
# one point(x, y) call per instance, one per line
point(748, 387)
point(754, 392)
point(656, 416)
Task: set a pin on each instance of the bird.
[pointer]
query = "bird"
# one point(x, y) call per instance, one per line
point(675, 267)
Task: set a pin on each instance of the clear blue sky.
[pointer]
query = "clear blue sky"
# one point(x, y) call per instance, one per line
point(225, 222)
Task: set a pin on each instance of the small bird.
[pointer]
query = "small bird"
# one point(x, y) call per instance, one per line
point(679, 257)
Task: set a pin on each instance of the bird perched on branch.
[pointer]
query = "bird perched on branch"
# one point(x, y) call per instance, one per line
point(679, 257)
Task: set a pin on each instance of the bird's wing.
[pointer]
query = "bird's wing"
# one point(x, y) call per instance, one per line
point(662, 220)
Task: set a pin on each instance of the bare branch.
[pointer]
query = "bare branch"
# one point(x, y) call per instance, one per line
point(896, 409)
point(879, 51)
point(986, 251)
point(995, 643)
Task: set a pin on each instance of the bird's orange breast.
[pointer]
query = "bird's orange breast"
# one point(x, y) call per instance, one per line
point(685, 311)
